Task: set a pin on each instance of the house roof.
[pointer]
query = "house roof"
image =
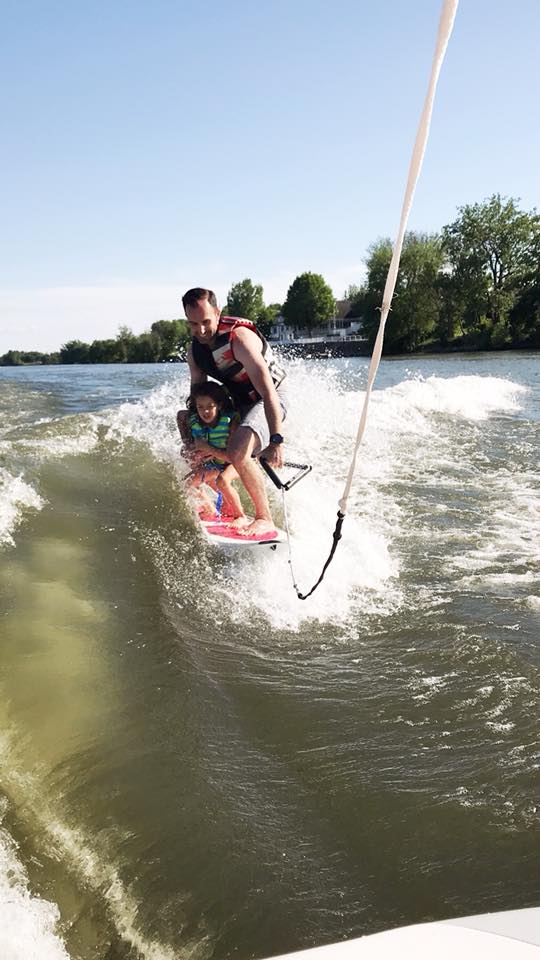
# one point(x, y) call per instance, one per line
point(342, 309)
point(345, 311)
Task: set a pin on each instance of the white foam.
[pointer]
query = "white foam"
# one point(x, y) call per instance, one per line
point(411, 435)
point(122, 906)
point(357, 580)
point(362, 566)
point(471, 397)
point(28, 924)
point(16, 496)
point(151, 421)
point(93, 869)
point(68, 436)
point(508, 532)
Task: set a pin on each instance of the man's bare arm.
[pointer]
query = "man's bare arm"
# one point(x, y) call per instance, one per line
point(205, 448)
point(248, 351)
point(197, 375)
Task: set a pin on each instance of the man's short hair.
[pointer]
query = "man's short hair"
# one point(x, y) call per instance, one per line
point(192, 297)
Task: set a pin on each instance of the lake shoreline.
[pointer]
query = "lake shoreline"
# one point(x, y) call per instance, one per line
point(328, 349)
point(322, 350)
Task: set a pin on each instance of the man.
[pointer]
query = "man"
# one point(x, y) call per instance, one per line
point(235, 353)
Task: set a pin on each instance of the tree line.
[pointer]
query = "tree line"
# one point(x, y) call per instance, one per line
point(161, 343)
point(474, 285)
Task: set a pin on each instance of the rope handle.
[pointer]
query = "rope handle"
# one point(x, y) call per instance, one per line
point(336, 537)
point(302, 468)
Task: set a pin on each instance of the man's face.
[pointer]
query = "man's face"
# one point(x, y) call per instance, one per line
point(203, 321)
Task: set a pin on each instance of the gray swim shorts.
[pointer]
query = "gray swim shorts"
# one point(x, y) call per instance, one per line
point(255, 418)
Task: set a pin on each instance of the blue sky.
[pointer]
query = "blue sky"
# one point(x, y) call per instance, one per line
point(152, 147)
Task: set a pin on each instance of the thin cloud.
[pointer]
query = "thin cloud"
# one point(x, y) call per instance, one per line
point(44, 319)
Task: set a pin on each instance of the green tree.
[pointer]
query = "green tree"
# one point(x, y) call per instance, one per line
point(310, 302)
point(353, 292)
point(452, 306)
point(525, 314)
point(106, 351)
point(414, 313)
point(32, 356)
point(147, 348)
point(358, 301)
point(267, 317)
point(11, 359)
point(490, 249)
point(173, 335)
point(245, 299)
point(464, 300)
point(74, 351)
point(525, 318)
point(125, 340)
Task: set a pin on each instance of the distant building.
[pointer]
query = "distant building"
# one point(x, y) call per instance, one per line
point(342, 326)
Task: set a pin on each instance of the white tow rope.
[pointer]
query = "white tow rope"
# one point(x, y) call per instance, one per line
point(446, 24)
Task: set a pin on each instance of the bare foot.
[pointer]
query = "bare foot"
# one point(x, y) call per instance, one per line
point(206, 509)
point(258, 528)
point(239, 523)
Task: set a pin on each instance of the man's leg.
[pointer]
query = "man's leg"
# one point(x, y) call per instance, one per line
point(231, 500)
point(239, 451)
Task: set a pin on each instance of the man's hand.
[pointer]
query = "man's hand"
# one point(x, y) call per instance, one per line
point(193, 456)
point(187, 450)
point(205, 451)
point(273, 454)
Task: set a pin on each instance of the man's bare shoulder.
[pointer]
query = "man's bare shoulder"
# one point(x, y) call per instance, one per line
point(248, 339)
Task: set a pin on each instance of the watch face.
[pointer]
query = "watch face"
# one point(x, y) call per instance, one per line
point(276, 438)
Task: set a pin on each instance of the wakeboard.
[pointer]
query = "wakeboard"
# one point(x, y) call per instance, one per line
point(219, 533)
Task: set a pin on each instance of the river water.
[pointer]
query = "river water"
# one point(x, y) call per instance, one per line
point(195, 763)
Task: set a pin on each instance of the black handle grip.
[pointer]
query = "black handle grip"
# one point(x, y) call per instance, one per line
point(269, 472)
point(302, 468)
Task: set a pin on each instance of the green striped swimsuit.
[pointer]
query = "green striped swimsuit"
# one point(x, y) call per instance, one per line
point(217, 436)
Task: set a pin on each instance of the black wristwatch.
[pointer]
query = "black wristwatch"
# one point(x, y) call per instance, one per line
point(276, 438)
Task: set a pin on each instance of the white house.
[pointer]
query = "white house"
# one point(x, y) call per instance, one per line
point(340, 327)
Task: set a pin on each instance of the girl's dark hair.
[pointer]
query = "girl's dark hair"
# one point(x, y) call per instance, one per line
point(212, 390)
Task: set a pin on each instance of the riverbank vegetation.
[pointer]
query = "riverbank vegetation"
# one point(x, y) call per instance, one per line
point(473, 286)
point(476, 285)
point(161, 343)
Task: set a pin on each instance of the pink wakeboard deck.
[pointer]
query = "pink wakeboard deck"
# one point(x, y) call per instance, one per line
point(218, 532)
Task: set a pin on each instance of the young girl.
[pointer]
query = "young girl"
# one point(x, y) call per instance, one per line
point(211, 422)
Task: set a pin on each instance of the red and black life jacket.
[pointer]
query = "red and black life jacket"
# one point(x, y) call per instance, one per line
point(220, 363)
